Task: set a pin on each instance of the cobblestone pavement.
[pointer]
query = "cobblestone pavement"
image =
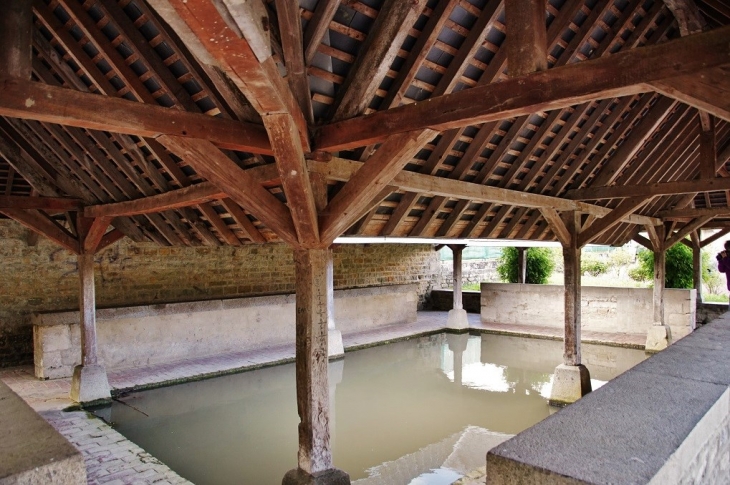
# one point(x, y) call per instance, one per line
point(113, 460)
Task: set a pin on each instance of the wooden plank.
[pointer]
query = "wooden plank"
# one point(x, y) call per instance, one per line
point(599, 227)
point(659, 188)
point(377, 53)
point(620, 74)
point(45, 226)
point(185, 197)
point(43, 203)
point(686, 230)
point(290, 29)
point(708, 152)
point(377, 173)
point(294, 177)
point(16, 24)
point(318, 26)
point(557, 225)
point(212, 164)
point(41, 102)
point(526, 40)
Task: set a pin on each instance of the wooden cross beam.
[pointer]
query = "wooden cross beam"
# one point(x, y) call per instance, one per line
point(685, 230)
point(621, 74)
point(39, 222)
point(60, 204)
point(600, 226)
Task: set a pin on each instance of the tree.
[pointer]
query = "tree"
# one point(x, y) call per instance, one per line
point(678, 269)
point(540, 265)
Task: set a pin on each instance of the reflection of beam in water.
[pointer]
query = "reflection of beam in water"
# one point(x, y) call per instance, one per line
point(461, 452)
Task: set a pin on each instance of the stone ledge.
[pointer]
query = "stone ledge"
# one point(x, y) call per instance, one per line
point(634, 427)
point(31, 450)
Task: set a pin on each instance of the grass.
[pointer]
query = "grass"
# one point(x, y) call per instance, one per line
point(714, 298)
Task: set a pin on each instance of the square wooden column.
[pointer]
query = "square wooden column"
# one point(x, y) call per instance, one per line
point(89, 383)
point(457, 315)
point(522, 265)
point(697, 268)
point(16, 38)
point(659, 336)
point(572, 379)
point(313, 284)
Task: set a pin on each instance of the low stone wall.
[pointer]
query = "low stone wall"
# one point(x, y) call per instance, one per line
point(145, 335)
point(707, 312)
point(603, 309)
point(31, 450)
point(665, 421)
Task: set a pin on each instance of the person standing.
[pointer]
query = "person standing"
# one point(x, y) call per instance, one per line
point(723, 262)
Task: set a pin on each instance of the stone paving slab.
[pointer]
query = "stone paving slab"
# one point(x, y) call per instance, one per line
point(112, 459)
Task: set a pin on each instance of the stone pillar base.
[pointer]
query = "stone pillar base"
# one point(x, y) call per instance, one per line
point(457, 319)
point(90, 385)
point(335, 347)
point(570, 383)
point(333, 476)
point(659, 337)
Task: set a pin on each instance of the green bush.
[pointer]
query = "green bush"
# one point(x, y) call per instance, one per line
point(678, 269)
point(593, 266)
point(540, 265)
point(637, 273)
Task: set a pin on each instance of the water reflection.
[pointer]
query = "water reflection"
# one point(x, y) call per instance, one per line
point(424, 411)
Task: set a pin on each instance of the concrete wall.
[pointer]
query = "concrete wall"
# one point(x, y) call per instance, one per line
point(665, 421)
point(139, 336)
point(44, 278)
point(624, 310)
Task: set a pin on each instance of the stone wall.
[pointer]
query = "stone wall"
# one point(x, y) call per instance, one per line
point(474, 272)
point(603, 309)
point(44, 278)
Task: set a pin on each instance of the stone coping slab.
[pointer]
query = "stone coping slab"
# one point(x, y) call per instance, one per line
point(629, 430)
point(31, 450)
point(164, 309)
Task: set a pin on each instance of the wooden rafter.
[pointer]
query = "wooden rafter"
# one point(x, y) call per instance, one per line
point(600, 226)
point(686, 230)
point(661, 188)
point(547, 90)
point(192, 195)
point(41, 203)
point(39, 222)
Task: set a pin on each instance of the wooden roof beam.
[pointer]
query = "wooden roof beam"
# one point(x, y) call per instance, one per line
point(318, 26)
point(16, 26)
point(185, 197)
point(290, 27)
point(604, 224)
point(240, 186)
point(42, 203)
point(705, 90)
point(689, 18)
point(661, 188)
point(368, 181)
point(684, 231)
point(41, 102)
point(377, 53)
point(526, 40)
point(39, 222)
point(620, 74)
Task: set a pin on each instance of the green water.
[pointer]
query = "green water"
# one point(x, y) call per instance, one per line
point(401, 414)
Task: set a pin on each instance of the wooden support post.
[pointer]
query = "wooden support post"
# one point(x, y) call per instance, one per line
point(457, 315)
point(659, 336)
point(526, 36)
point(89, 383)
point(522, 265)
point(697, 265)
point(16, 24)
point(315, 456)
point(572, 379)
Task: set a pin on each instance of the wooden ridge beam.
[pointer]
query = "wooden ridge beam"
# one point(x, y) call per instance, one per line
point(61, 204)
point(369, 180)
point(343, 170)
point(39, 222)
point(659, 188)
point(620, 74)
point(237, 183)
point(36, 101)
point(185, 197)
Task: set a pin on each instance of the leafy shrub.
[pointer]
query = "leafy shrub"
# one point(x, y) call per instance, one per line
point(678, 269)
point(540, 265)
point(637, 273)
point(593, 266)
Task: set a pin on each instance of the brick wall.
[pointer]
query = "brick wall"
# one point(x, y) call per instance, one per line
point(45, 278)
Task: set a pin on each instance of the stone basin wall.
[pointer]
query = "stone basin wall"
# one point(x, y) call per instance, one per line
point(155, 334)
